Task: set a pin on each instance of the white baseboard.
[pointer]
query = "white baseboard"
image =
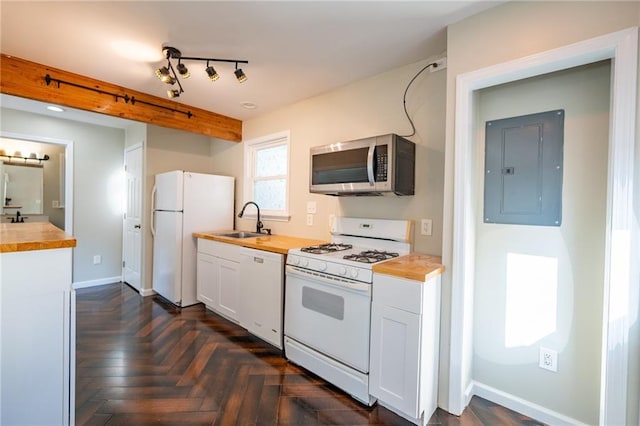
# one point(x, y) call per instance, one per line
point(523, 406)
point(93, 283)
point(147, 292)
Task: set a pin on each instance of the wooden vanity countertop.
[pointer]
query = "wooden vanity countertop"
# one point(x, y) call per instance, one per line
point(273, 243)
point(33, 236)
point(414, 266)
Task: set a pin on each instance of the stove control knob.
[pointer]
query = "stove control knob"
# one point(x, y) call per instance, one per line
point(294, 260)
point(354, 273)
point(342, 271)
point(304, 262)
point(322, 266)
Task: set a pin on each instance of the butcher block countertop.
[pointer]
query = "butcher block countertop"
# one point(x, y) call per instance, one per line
point(273, 243)
point(414, 266)
point(33, 236)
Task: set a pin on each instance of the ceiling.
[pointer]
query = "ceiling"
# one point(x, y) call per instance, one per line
point(295, 49)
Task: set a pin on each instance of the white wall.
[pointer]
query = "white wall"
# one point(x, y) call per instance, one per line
point(98, 159)
point(567, 304)
point(365, 108)
point(507, 32)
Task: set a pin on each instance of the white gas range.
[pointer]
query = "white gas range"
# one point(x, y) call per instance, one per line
point(328, 299)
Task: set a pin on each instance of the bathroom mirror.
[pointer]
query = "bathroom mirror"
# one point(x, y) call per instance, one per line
point(22, 188)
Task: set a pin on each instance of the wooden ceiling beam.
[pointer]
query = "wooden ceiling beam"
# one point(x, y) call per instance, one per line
point(26, 79)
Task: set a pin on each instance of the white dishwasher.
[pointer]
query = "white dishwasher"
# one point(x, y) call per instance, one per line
point(261, 293)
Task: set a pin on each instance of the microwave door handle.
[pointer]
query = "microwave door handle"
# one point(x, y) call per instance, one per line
point(372, 149)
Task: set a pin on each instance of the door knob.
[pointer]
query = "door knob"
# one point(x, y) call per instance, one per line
point(137, 226)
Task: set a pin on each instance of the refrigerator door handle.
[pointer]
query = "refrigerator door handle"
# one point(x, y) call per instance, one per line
point(153, 208)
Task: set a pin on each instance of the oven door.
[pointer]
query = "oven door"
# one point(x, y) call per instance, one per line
point(333, 317)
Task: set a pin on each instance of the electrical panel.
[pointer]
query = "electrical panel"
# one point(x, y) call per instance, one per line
point(523, 169)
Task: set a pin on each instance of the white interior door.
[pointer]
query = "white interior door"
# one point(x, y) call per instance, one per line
point(132, 239)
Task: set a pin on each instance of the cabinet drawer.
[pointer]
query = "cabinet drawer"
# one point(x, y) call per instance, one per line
point(397, 292)
point(218, 249)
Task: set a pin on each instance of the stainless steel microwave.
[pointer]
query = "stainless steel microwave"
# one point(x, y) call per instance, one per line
point(379, 165)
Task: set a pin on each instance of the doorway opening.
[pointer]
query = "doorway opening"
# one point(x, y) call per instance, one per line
point(65, 195)
point(620, 254)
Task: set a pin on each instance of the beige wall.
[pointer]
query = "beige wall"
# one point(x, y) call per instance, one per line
point(506, 343)
point(166, 150)
point(501, 34)
point(365, 108)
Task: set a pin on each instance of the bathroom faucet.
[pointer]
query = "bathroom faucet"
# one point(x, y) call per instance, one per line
point(258, 223)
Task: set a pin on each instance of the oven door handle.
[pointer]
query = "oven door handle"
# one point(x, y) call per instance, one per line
point(370, 154)
point(355, 287)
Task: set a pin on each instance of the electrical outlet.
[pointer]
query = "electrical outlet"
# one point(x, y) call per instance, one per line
point(309, 219)
point(426, 227)
point(311, 207)
point(440, 64)
point(97, 259)
point(548, 359)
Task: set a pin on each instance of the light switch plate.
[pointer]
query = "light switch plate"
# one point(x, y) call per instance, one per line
point(426, 227)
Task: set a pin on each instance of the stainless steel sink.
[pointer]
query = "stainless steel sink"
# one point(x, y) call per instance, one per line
point(241, 234)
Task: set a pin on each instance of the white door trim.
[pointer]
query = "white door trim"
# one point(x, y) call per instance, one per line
point(68, 172)
point(620, 254)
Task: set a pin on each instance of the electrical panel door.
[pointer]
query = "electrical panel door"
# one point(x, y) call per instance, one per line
point(523, 169)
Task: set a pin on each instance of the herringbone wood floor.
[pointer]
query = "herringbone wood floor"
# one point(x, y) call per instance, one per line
point(142, 362)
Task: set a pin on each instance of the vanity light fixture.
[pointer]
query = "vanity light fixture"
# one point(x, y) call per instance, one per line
point(167, 74)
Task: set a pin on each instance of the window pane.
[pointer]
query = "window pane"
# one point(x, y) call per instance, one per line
point(270, 194)
point(271, 161)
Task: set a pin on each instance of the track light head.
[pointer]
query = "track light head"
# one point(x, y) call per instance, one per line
point(165, 76)
point(162, 73)
point(240, 75)
point(183, 70)
point(212, 73)
point(173, 93)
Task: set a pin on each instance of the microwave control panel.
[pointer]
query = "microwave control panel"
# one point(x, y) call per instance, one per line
point(382, 163)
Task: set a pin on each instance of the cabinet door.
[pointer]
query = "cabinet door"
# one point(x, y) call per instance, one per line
point(207, 282)
point(395, 353)
point(261, 279)
point(227, 283)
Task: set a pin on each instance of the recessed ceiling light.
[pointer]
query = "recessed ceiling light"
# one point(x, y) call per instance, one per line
point(248, 105)
point(55, 108)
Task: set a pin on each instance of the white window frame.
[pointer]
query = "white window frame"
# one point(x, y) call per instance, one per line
point(250, 148)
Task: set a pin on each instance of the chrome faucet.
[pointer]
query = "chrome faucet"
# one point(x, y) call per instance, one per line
point(258, 223)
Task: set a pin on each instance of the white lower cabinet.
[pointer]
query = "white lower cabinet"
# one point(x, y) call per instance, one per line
point(244, 285)
point(37, 339)
point(405, 329)
point(261, 294)
point(218, 277)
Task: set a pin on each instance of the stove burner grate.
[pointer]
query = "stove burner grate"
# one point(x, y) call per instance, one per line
point(326, 248)
point(370, 256)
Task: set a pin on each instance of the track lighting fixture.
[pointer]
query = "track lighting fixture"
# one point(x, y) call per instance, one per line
point(167, 74)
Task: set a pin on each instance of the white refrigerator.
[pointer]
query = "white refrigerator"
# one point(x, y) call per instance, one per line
point(183, 203)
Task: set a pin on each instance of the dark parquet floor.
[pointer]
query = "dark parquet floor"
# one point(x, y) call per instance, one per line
point(140, 361)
